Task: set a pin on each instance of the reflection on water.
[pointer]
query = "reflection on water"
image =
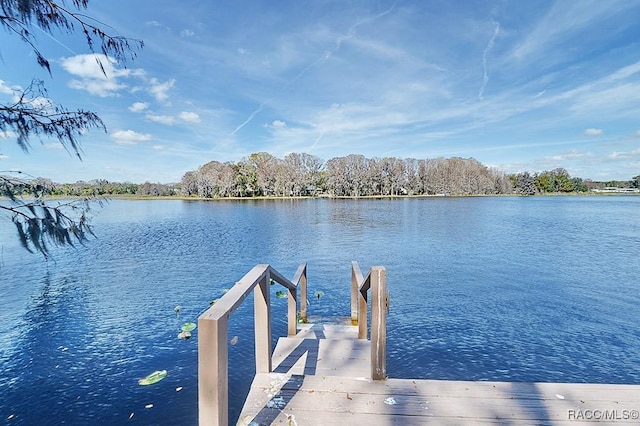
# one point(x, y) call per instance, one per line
point(515, 289)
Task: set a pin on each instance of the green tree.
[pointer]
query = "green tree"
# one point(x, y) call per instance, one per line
point(37, 222)
point(544, 182)
point(562, 180)
point(635, 181)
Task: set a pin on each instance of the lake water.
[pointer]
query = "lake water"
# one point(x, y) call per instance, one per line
point(505, 288)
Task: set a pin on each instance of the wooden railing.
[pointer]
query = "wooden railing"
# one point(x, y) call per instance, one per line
point(213, 329)
point(213, 361)
point(376, 281)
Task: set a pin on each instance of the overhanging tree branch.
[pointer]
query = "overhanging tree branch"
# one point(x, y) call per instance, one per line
point(31, 113)
point(40, 225)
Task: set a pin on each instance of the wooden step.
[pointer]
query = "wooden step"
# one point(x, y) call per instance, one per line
point(330, 400)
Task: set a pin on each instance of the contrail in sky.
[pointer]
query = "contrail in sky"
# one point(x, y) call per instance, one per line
point(253, 114)
point(322, 59)
point(485, 78)
point(316, 142)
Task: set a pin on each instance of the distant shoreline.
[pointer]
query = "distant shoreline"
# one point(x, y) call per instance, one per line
point(133, 197)
point(365, 197)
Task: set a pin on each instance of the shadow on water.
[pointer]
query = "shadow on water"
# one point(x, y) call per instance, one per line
point(48, 363)
point(77, 362)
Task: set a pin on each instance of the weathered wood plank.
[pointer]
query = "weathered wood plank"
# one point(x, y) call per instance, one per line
point(314, 352)
point(324, 400)
point(213, 375)
point(262, 325)
point(327, 331)
point(378, 323)
point(460, 389)
point(356, 278)
point(233, 298)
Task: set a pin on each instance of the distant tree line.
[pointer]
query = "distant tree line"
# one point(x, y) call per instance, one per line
point(559, 181)
point(262, 174)
point(102, 187)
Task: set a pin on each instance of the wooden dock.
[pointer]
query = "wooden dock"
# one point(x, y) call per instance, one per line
point(321, 377)
point(335, 374)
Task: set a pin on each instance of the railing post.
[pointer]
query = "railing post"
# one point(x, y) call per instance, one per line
point(378, 323)
point(354, 293)
point(213, 379)
point(303, 295)
point(292, 312)
point(262, 319)
point(362, 315)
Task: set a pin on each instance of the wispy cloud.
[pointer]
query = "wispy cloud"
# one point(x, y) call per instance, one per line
point(278, 124)
point(564, 20)
point(129, 137)
point(54, 145)
point(162, 119)
point(321, 59)
point(571, 155)
point(138, 106)
point(159, 90)
point(4, 89)
point(624, 155)
point(8, 134)
point(189, 117)
point(593, 132)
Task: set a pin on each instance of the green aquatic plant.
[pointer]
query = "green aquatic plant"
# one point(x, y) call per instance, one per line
point(152, 378)
point(189, 326)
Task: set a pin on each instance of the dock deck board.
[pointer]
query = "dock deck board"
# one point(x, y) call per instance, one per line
point(321, 377)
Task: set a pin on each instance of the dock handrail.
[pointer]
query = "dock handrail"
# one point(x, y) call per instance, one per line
point(376, 281)
point(213, 331)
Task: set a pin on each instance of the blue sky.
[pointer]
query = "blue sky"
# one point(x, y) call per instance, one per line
point(517, 85)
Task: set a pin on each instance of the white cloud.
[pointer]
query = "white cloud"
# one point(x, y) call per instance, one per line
point(279, 124)
point(3, 157)
point(571, 155)
point(163, 119)
point(159, 90)
point(98, 74)
point(53, 145)
point(129, 137)
point(638, 133)
point(623, 155)
point(593, 132)
point(138, 107)
point(190, 117)
point(8, 134)
point(5, 89)
point(187, 33)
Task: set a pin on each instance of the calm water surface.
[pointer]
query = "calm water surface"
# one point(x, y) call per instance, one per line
point(511, 289)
